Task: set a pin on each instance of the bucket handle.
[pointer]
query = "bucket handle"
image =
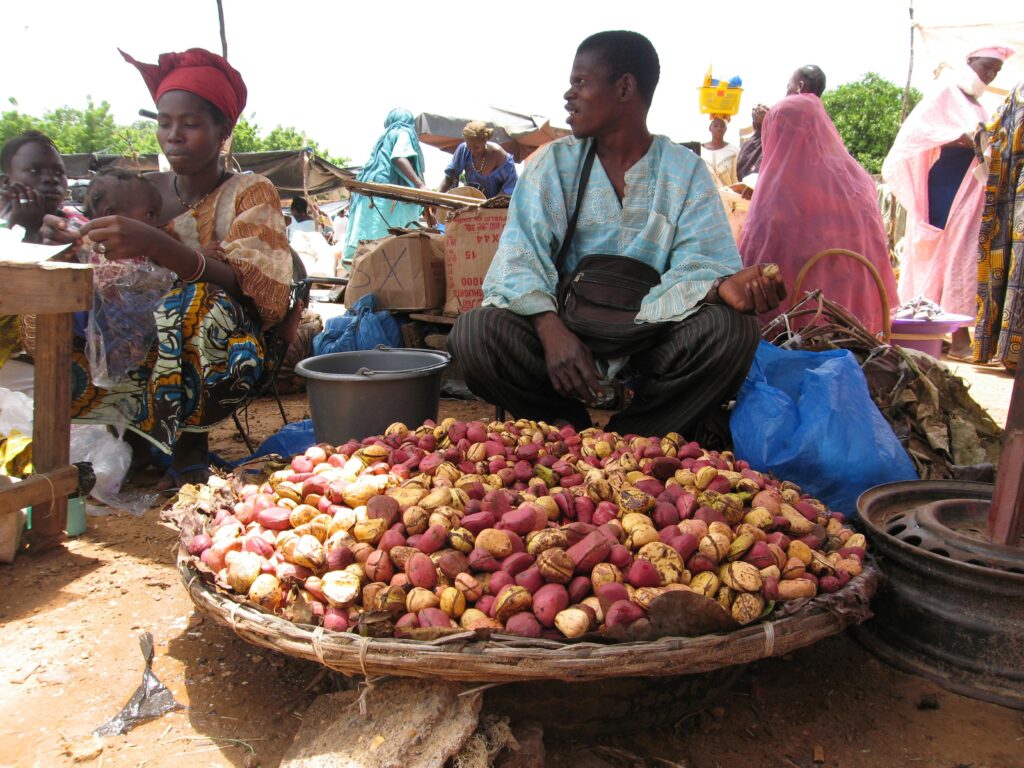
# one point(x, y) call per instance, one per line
point(385, 348)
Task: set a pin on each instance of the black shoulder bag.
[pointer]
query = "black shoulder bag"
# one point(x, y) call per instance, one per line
point(599, 301)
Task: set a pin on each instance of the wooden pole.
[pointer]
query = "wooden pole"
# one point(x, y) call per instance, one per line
point(223, 32)
point(893, 203)
point(1006, 516)
point(228, 159)
point(909, 73)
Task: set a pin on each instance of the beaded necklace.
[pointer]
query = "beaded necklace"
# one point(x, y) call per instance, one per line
point(193, 206)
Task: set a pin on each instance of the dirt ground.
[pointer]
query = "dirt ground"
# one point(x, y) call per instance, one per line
point(71, 620)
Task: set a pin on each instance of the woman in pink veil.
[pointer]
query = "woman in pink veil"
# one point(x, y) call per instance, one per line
point(812, 195)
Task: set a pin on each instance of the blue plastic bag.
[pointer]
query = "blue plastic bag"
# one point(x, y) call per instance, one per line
point(362, 328)
point(807, 417)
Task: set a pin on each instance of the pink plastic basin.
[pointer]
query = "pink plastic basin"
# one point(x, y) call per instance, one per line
point(927, 335)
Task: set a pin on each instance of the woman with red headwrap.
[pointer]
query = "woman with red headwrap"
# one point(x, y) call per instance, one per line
point(812, 195)
point(223, 234)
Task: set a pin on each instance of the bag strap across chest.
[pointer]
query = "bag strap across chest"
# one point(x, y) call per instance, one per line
point(570, 231)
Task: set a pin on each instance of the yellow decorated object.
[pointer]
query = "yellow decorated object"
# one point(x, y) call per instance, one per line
point(719, 100)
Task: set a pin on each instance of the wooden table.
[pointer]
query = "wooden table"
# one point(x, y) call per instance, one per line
point(52, 291)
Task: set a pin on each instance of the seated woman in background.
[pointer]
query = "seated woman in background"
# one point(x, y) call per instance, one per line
point(812, 195)
point(223, 235)
point(719, 156)
point(486, 165)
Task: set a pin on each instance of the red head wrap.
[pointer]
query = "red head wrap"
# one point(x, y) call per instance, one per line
point(197, 71)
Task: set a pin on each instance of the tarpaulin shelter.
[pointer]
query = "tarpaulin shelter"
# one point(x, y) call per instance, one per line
point(518, 134)
point(284, 168)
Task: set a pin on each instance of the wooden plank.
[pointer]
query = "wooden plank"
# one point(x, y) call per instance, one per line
point(428, 318)
point(47, 287)
point(411, 194)
point(35, 490)
point(1006, 516)
point(51, 430)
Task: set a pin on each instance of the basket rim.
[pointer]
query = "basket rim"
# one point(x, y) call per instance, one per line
point(505, 658)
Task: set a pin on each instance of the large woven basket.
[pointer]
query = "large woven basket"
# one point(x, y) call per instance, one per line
point(468, 656)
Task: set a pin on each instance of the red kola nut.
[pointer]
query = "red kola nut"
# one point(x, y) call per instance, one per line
point(686, 505)
point(643, 573)
point(548, 601)
point(531, 579)
point(391, 538)
point(574, 532)
point(524, 625)
point(579, 588)
point(433, 539)
point(516, 563)
point(378, 566)
point(434, 617)
point(594, 548)
point(384, 508)
point(408, 621)
point(477, 522)
point(518, 544)
point(699, 562)
point(336, 619)
point(620, 557)
point(709, 515)
point(665, 515)
point(523, 520)
point(650, 486)
point(685, 544)
point(421, 571)
point(611, 593)
point(486, 604)
point(622, 613)
point(603, 515)
point(498, 581)
point(482, 560)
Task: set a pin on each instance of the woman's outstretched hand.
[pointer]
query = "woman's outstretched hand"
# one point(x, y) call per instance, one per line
point(118, 237)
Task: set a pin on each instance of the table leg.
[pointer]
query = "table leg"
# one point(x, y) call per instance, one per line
point(51, 433)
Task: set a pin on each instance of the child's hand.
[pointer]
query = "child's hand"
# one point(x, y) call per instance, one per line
point(213, 250)
point(27, 206)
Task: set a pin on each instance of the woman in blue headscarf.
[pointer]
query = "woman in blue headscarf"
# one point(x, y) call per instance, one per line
point(396, 159)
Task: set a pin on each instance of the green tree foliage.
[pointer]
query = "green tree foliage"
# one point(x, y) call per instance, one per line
point(247, 138)
point(93, 129)
point(867, 115)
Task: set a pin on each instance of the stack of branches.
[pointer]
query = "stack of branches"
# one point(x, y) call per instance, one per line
point(944, 431)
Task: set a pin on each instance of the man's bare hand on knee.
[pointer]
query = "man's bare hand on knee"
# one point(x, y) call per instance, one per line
point(570, 364)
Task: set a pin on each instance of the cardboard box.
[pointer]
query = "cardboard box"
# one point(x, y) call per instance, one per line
point(470, 242)
point(405, 271)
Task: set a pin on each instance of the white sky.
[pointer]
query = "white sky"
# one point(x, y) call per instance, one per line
point(336, 69)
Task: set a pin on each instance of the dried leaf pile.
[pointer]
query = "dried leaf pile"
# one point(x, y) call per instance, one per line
point(945, 432)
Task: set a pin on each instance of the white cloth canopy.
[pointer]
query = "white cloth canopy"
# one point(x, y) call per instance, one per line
point(947, 31)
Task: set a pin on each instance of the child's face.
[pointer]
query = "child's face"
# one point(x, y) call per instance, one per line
point(39, 166)
point(137, 200)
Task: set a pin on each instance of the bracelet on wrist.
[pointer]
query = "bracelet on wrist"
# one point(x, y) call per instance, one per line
point(712, 297)
point(200, 268)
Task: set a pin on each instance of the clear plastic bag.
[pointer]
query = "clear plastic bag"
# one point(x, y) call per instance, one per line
point(121, 326)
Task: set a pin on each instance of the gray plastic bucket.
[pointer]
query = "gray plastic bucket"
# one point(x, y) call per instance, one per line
point(358, 394)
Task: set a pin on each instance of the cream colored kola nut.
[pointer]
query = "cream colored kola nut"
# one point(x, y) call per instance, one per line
point(741, 577)
point(769, 270)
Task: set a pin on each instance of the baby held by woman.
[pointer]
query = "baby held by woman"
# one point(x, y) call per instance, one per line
point(121, 327)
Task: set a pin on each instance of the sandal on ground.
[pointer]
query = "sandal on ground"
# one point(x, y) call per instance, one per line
point(961, 357)
point(194, 474)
